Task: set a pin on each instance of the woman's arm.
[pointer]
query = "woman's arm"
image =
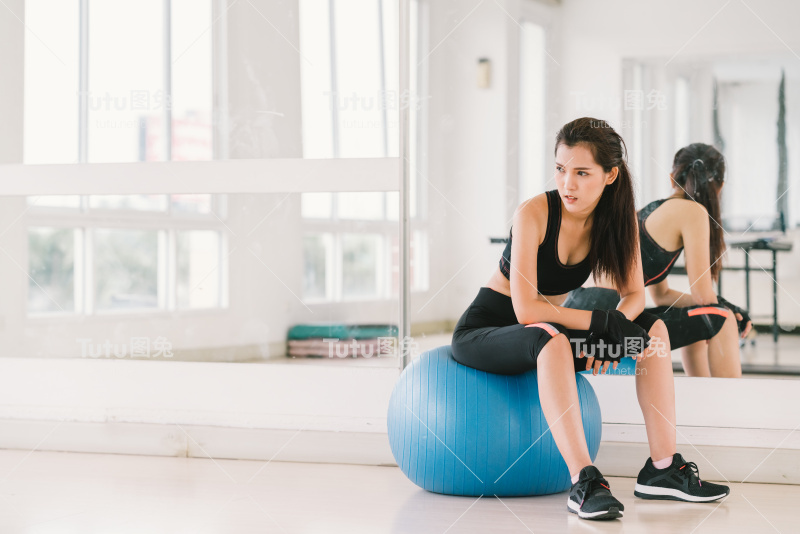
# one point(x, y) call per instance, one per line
point(632, 292)
point(530, 306)
point(663, 295)
point(695, 233)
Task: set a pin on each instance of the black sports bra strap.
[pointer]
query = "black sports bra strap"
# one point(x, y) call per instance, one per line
point(553, 278)
point(553, 218)
point(650, 208)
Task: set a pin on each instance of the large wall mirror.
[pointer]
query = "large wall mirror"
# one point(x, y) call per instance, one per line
point(746, 106)
point(661, 92)
point(234, 275)
point(319, 80)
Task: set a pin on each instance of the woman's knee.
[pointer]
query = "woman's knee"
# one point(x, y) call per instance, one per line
point(553, 329)
point(659, 338)
point(550, 340)
point(659, 330)
point(547, 332)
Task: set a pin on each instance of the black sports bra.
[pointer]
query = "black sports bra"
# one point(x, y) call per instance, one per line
point(554, 278)
point(656, 262)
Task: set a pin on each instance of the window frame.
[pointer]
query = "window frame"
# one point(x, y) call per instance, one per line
point(85, 221)
point(337, 226)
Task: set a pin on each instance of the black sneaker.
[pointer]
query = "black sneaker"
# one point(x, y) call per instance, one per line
point(678, 482)
point(590, 497)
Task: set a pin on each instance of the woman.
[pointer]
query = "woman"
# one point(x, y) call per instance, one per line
point(516, 322)
point(705, 325)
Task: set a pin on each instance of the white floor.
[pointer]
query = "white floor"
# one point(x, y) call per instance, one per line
point(69, 493)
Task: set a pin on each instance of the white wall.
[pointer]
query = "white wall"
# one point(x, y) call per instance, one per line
point(468, 145)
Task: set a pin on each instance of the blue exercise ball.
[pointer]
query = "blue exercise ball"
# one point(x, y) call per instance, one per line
point(460, 431)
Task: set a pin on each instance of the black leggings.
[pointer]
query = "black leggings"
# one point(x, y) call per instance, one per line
point(489, 338)
point(685, 325)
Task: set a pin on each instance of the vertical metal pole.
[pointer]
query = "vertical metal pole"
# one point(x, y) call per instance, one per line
point(382, 63)
point(334, 80)
point(774, 297)
point(167, 72)
point(747, 279)
point(405, 182)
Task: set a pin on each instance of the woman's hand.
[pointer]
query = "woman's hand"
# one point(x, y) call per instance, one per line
point(599, 365)
point(602, 366)
point(615, 328)
point(742, 317)
point(748, 326)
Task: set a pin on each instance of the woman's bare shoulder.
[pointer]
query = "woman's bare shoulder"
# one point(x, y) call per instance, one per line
point(678, 213)
point(670, 224)
point(534, 208)
point(531, 217)
point(684, 206)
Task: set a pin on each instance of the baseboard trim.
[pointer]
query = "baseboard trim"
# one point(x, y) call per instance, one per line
point(715, 463)
point(757, 438)
point(196, 441)
point(622, 451)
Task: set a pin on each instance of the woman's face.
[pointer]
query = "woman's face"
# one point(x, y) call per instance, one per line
point(580, 180)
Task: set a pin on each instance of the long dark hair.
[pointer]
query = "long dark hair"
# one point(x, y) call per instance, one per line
point(615, 235)
point(699, 170)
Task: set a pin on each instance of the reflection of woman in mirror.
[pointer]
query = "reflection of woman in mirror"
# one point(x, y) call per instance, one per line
point(705, 325)
point(516, 322)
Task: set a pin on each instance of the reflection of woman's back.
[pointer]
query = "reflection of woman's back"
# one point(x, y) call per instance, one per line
point(691, 223)
point(687, 222)
point(658, 252)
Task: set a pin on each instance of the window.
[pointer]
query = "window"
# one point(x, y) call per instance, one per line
point(163, 253)
point(683, 114)
point(51, 286)
point(362, 265)
point(533, 175)
point(342, 266)
point(51, 126)
point(349, 83)
point(110, 95)
point(748, 112)
point(125, 269)
point(350, 102)
point(197, 256)
point(114, 105)
point(318, 267)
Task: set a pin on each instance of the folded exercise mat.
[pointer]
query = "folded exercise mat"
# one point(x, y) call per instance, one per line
point(342, 331)
point(343, 348)
point(335, 340)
